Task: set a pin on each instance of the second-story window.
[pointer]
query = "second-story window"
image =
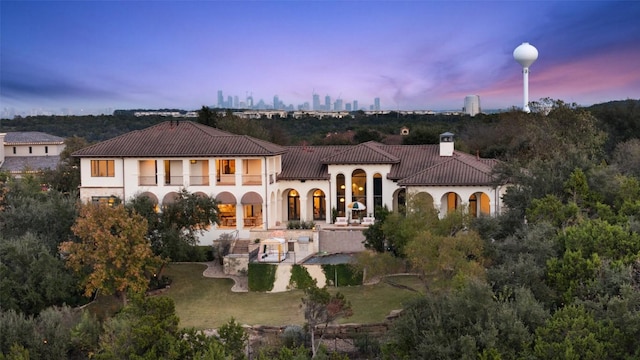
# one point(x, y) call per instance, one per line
point(102, 168)
point(30, 150)
point(227, 166)
point(46, 149)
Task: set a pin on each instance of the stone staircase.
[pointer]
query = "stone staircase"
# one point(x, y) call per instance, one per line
point(241, 247)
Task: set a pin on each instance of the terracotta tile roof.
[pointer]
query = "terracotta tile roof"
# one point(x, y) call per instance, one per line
point(31, 137)
point(411, 164)
point(305, 162)
point(415, 158)
point(459, 169)
point(366, 153)
point(17, 164)
point(180, 139)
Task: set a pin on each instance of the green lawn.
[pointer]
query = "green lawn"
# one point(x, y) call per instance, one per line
point(208, 303)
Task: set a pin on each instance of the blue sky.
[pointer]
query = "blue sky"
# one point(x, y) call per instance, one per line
point(96, 55)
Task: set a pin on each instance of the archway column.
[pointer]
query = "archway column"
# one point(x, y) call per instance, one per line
point(369, 194)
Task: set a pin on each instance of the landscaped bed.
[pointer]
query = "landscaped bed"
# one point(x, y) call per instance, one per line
point(206, 303)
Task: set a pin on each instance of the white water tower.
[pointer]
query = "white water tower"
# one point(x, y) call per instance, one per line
point(525, 55)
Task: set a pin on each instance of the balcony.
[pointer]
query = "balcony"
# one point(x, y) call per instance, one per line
point(174, 180)
point(199, 180)
point(226, 179)
point(250, 179)
point(147, 180)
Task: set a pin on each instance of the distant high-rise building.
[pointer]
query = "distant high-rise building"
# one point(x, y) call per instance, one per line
point(376, 103)
point(327, 103)
point(355, 105)
point(347, 106)
point(337, 106)
point(220, 99)
point(316, 102)
point(236, 102)
point(471, 105)
point(250, 102)
point(276, 102)
point(229, 103)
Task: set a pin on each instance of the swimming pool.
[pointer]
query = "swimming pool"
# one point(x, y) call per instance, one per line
point(337, 258)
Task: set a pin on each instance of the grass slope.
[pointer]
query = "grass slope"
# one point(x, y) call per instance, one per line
point(205, 303)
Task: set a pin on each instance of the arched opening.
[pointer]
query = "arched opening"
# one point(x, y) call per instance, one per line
point(293, 205)
point(319, 205)
point(479, 204)
point(450, 203)
point(152, 199)
point(227, 209)
point(400, 201)
point(359, 186)
point(422, 201)
point(377, 192)
point(252, 209)
point(170, 198)
point(340, 194)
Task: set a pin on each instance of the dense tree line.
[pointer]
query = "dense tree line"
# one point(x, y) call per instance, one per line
point(556, 276)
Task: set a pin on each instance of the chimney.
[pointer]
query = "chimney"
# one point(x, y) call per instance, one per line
point(446, 144)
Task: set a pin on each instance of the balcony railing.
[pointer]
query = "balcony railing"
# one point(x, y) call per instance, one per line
point(147, 180)
point(199, 180)
point(252, 179)
point(174, 181)
point(226, 179)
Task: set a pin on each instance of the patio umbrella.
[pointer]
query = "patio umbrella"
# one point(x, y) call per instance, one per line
point(356, 205)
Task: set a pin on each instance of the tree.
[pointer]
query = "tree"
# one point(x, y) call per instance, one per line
point(466, 323)
point(208, 117)
point(173, 232)
point(444, 261)
point(573, 333)
point(66, 177)
point(145, 329)
point(320, 307)
point(32, 279)
point(48, 215)
point(234, 339)
point(374, 236)
point(364, 135)
point(113, 254)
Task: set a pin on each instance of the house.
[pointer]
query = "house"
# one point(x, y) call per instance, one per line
point(24, 152)
point(262, 186)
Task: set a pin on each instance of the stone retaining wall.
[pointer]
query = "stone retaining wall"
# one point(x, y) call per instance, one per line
point(342, 241)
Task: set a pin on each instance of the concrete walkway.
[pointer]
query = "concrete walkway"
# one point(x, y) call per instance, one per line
point(214, 270)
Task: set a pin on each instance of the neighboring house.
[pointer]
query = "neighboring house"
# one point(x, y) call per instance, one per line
point(262, 186)
point(31, 151)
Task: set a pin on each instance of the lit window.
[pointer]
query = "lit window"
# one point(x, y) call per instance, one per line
point(102, 168)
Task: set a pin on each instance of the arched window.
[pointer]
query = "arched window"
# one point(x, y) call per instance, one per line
point(319, 205)
point(293, 205)
point(340, 195)
point(377, 191)
point(359, 186)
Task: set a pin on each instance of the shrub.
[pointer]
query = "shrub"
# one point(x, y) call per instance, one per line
point(293, 336)
point(261, 276)
point(345, 274)
point(307, 225)
point(300, 278)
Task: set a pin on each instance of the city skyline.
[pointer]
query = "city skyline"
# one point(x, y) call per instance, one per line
point(413, 55)
point(235, 102)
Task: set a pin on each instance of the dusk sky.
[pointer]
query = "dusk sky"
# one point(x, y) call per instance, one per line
point(94, 55)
